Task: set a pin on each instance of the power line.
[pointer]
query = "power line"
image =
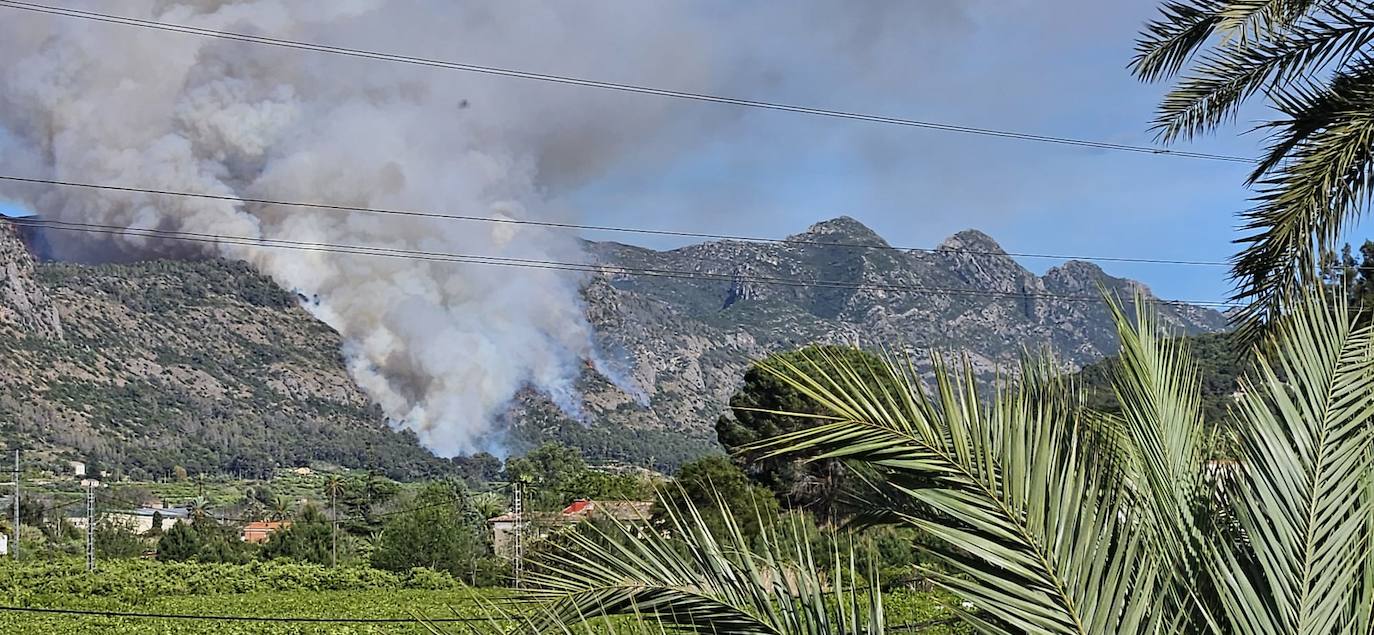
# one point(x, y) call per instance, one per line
point(613, 86)
point(334, 207)
point(332, 620)
point(530, 263)
point(55, 506)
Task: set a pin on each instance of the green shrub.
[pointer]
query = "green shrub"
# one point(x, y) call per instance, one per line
point(307, 539)
point(422, 578)
point(442, 532)
point(113, 540)
point(203, 541)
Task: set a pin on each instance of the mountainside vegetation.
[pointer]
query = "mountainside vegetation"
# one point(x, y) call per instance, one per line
point(139, 368)
point(207, 365)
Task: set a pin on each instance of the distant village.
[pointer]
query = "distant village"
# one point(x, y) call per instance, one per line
point(151, 515)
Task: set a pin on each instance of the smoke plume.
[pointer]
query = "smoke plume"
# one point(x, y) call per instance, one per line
point(440, 346)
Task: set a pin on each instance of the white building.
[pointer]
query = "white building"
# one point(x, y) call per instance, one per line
point(139, 520)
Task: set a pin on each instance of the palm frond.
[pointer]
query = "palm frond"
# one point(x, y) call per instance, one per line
point(1225, 78)
point(1185, 26)
point(1031, 517)
point(1312, 61)
point(1171, 40)
point(1319, 179)
point(1303, 498)
point(687, 578)
point(1164, 444)
point(1245, 21)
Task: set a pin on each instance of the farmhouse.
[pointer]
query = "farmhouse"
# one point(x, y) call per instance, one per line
point(539, 525)
point(258, 532)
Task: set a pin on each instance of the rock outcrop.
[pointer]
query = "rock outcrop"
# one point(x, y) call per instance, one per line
point(25, 307)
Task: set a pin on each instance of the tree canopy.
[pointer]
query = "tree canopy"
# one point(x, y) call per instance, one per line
point(306, 539)
point(756, 414)
point(440, 531)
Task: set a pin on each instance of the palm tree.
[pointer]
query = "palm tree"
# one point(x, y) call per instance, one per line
point(489, 504)
point(1311, 60)
point(1052, 518)
point(199, 509)
point(281, 508)
point(333, 486)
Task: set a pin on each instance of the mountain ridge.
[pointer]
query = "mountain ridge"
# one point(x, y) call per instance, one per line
point(967, 296)
point(145, 333)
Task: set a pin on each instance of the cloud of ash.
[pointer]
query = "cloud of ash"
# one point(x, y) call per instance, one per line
point(441, 346)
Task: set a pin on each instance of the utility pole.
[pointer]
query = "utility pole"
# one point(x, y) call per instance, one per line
point(334, 530)
point(14, 544)
point(90, 525)
point(518, 551)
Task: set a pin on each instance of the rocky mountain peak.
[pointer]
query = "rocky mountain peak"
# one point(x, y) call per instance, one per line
point(972, 240)
point(842, 229)
point(1079, 269)
point(1082, 276)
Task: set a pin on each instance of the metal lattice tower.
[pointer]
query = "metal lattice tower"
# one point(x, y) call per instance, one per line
point(90, 526)
point(518, 546)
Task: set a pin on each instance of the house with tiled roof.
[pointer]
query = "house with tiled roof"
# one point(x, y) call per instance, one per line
point(538, 525)
point(258, 532)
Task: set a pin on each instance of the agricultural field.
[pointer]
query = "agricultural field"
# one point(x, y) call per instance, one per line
point(401, 604)
point(277, 590)
point(255, 590)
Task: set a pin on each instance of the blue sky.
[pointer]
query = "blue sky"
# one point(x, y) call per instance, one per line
point(1049, 68)
point(1052, 68)
point(12, 209)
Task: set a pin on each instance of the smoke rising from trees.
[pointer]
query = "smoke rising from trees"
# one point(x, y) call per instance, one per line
point(440, 346)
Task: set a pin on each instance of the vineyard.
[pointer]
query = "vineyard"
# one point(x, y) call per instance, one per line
point(276, 598)
point(265, 590)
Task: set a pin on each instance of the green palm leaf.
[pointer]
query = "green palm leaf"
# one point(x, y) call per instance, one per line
point(1157, 386)
point(1031, 510)
point(1323, 158)
point(1164, 443)
point(1223, 79)
point(1251, 20)
point(1303, 499)
point(1168, 43)
point(1313, 61)
point(687, 578)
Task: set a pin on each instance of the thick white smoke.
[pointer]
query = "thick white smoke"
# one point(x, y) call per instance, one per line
point(442, 347)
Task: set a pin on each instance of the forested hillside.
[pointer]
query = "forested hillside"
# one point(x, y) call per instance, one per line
point(204, 364)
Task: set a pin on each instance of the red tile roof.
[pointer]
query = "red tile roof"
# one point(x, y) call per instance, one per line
point(577, 507)
point(260, 530)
